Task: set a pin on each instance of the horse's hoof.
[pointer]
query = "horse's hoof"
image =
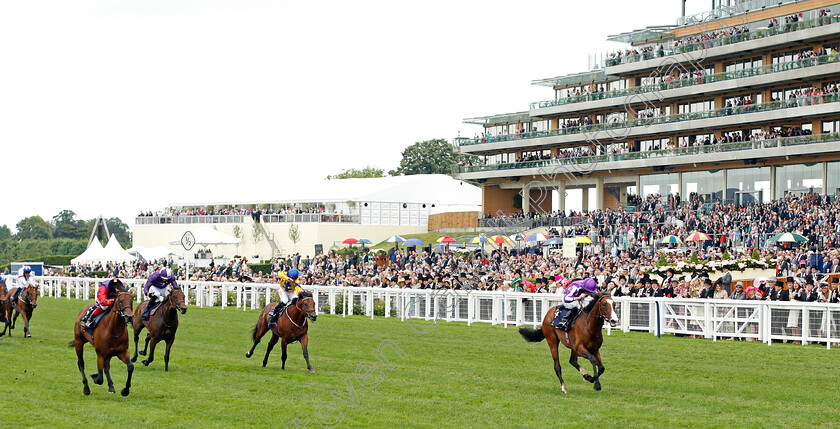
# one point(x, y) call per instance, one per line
point(248, 354)
point(86, 391)
point(311, 371)
point(28, 336)
point(597, 385)
point(96, 381)
point(134, 359)
point(565, 390)
point(588, 378)
point(145, 363)
point(111, 390)
point(124, 392)
point(142, 353)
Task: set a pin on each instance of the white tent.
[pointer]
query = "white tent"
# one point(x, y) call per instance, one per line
point(94, 253)
point(115, 253)
point(206, 236)
point(150, 253)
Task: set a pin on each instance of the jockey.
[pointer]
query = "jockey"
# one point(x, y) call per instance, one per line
point(157, 288)
point(289, 291)
point(24, 279)
point(574, 293)
point(105, 295)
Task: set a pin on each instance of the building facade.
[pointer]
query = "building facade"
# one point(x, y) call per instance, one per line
point(738, 105)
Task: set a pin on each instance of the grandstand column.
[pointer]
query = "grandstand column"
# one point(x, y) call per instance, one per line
point(526, 198)
point(599, 193)
point(723, 197)
point(561, 190)
point(585, 202)
point(825, 178)
point(772, 182)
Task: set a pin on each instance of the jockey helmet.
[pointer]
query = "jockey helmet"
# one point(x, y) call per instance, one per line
point(27, 269)
point(293, 274)
point(166, 273)
point(589, 285)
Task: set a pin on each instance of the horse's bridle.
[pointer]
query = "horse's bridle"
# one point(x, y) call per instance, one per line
point(24, 296)
point(600, 315)
point(305, 313)
point(123, 307)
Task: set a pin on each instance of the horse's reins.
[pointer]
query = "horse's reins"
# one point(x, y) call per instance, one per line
point(120, 313)
point(589, 315)
point(173, 307)
point(302, 312)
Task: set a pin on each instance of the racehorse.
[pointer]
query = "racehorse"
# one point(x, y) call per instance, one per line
point(25, 305)
point(584, 338)
point(110, 339)
point(291, 326)
point(3, 295)
point(162, 325)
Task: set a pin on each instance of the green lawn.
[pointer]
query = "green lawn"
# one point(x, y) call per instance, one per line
point(426, 237)
point(455, 376)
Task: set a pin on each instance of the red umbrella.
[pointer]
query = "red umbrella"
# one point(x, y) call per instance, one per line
point(350, 241)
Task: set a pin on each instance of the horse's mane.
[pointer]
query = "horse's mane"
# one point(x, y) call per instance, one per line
point(306, 294)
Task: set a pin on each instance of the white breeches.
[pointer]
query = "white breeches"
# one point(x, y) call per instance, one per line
point(161, 293)
point(571, 305)
point(285, 297)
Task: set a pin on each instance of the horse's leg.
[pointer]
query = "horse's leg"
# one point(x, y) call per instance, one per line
point(259, 332)
point(25, 318)
point(136, 339)
point(130, 366)
point(554, 345)
point(573, 359)
point(14, 320)
point(151, 357)
point(100, 363)
point(80, 360)
point(166, 355)
point(283, 345)
point(597, 369)
point(146, 346)
point(271, 344)
point(304, 343)
point(108, 375)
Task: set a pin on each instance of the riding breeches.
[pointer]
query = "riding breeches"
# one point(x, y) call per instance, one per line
point(285, 297)
point(161, 293)
point(571, 305)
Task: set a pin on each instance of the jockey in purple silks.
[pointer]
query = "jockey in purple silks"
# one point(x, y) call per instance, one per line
point(574, 293)
point(157, 288)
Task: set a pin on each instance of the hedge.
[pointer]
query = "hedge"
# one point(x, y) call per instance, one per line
point(265, 268)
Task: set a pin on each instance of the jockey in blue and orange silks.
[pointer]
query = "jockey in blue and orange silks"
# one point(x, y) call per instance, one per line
point(574, 293)
point(290, 290)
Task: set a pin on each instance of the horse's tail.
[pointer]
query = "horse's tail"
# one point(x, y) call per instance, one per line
point(71, 343)
point(254, 333)
point(532, 335)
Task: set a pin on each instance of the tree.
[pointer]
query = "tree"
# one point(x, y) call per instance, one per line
point(431, 157)
point(256, 233)
point(294, 234)
point(34, 228)
point(120, 230)
point(353, 173)
point(237, 232)
point(5, 233)
point(65, 225)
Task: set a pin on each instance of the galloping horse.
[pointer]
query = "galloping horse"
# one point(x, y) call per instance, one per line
point(162, 325)
point(584, 338)
point(110, 338)
point(3, 295)
point(26, 303)
point(291, 327)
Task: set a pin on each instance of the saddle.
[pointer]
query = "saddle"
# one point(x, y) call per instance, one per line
point(154, 308)
point(95, 322)
point(559, 313)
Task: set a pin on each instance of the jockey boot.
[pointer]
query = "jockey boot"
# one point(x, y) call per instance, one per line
point(148, 310)
point(87, 318)
point(565, 324)
point(275, 314)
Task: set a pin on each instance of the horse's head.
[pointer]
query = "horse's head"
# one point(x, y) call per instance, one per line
point(306, 304)
point(178, 300)
point(605, 309)
point(30, 296)
point(124, 305)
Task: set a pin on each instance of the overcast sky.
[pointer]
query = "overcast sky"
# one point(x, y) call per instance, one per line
point(116, 106)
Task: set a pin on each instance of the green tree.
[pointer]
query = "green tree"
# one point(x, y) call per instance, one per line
point(353, 173)
point(431, 157)
point(34, 228)
point(65, 225)
point(237, 232)
point(5, 233)
point(294, 235)
point(120, 230)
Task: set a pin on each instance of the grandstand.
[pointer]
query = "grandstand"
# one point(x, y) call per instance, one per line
point(325, 213)
point(737, 106)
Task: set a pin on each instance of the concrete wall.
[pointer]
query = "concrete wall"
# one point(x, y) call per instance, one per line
point(310, 234)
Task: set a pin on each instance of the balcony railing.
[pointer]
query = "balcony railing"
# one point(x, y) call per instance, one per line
point(693, 150)
point(614, 127)
point(692, 81)
point(187, 219)
point(312, 217)
point(728, 40)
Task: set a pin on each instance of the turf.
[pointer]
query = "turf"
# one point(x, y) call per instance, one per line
point(454, 376)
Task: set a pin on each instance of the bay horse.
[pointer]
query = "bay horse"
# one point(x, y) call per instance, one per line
point(110, 339)
point(291, 326)
point(584, 337)
point(3, 296)
point(162, 325)
point(25, 305)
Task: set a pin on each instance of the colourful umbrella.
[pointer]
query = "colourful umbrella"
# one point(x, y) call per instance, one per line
point(697, 236)
point(789, 237)
point(480, 239)
point(350, 241)
point(394, 239)
point(536, 237)
point(671, 239)
point(445, 239)
point(413, 242)
point(364, 241)
point(582, 239)
point(555, 240)
point(500, 239)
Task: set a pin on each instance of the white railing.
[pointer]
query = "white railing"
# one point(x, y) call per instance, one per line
point(764, 321)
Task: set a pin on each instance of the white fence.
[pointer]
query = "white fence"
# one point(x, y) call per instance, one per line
point(764, 321)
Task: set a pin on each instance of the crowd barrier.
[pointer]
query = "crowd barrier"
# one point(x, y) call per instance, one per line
point(765, 321)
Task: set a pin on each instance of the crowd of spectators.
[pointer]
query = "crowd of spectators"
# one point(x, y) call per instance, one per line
point(228, 211)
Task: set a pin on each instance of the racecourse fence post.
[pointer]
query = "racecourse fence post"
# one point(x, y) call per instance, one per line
point(239, 296)
point(708, 323)
point(224, 295)
point(805, 326)
point(470, 309)
point(332, 301)
point(828, 321)
point(387, 299)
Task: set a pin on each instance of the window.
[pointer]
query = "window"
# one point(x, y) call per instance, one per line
point(662, 184)
point(654, 144)
point(742, 64)
point(831, 126)
point(832, 178)
point(697, 106)
point(798, 179)
point(748, 185)
point(695, 140)
point(756, 98)
point(617, 85)
point(785, 94)
point(707, 185)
